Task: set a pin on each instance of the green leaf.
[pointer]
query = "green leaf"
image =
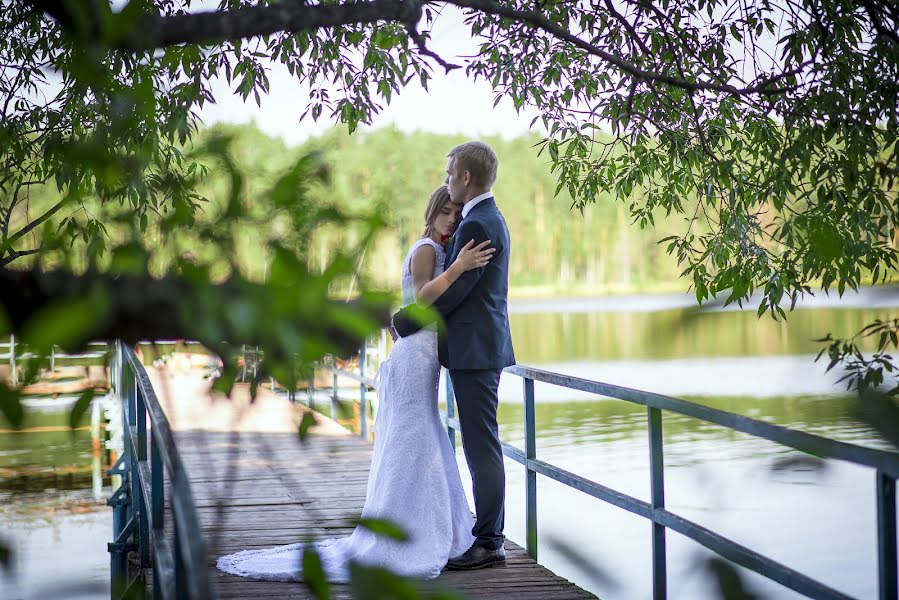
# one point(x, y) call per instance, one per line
point(11, 406)
point(6, 555)
point(306, 422)
point(66, 323)
point(377, 583)
point(81, 405)
point(314, 574)
point(383, 528)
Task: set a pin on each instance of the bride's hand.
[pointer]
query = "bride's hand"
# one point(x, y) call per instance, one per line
point(474, 257)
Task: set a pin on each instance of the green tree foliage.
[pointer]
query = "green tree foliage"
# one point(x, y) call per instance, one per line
point(779, 118)
point(395, 173)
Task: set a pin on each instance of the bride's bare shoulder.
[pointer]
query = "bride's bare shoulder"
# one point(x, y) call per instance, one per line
point(423, 257)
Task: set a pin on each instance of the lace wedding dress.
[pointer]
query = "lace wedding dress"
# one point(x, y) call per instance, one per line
point(413, 482)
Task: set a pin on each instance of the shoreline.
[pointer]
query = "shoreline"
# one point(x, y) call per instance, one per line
point(881, 296)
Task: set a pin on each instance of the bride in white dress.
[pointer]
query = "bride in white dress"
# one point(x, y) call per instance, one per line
point(414, 480)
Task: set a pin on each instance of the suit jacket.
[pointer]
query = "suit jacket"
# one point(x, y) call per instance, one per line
point(474, 308)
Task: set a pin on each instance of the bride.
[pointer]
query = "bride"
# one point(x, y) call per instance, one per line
point(414, 481)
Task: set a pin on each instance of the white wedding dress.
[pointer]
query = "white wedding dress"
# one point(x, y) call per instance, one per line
point(414, 480)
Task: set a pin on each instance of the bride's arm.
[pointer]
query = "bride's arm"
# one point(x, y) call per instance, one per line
point(426, 289)
point(422, 266)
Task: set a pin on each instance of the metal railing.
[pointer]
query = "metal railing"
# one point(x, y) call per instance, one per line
point(178, 563)
point(14, 353)
point(365, 384)
point(885, 465)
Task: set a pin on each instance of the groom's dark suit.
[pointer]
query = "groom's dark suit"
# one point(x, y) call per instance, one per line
point(475, 346)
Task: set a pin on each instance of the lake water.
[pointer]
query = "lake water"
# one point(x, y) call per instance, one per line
point(820, 521)
point(53, 509)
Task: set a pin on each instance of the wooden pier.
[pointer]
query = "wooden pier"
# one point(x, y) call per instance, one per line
point(231, 474)
point(256, 485)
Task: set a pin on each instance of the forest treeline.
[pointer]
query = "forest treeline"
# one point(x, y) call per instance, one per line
point(556, 249)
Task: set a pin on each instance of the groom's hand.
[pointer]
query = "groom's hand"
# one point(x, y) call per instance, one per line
point(469, 231)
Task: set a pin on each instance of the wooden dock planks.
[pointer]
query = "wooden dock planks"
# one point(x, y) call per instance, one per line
point(256, 488)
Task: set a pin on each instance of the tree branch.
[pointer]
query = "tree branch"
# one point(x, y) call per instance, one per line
point(156, 31)
point(540, 22)
point(628, 27)
point(14, 254)
point(140, 307)
point(15, 200)
point(22, 232)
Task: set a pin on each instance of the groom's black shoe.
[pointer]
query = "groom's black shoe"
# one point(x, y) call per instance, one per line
point(477, 557)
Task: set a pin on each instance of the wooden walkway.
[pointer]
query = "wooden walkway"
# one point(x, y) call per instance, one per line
point(256, 486)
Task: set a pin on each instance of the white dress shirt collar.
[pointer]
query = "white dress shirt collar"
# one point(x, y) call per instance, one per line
point(474, 201)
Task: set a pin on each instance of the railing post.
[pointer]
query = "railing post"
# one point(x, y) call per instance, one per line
point(657, 501)
point(180, 572)
point(137, 490)
point(157, 483)
point(129, 409)
point(53, 359)
point(119, 502)
point(12, 360)
point(886, 536)
point(530, 452)
point(141, 416)
point(311, 391)
point(334, 398)
point(363, 421)
point(450, 408)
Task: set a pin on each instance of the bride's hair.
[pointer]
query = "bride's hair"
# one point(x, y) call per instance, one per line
point(438, 200)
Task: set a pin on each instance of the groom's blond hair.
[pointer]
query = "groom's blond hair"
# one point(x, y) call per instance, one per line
point(478, 159)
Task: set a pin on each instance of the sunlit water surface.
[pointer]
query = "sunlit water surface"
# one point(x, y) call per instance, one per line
point(53, 511)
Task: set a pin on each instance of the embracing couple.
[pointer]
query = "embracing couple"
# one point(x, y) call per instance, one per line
point(414, 481)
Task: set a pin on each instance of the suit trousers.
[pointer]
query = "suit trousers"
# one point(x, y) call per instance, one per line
point(476, 399)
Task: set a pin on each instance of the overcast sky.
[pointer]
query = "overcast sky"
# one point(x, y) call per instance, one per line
point(452, 104)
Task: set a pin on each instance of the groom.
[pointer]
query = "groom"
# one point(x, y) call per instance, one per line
point(476, 344)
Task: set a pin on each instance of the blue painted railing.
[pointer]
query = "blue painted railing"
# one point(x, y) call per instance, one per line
point(885, 465)
point(147, 464)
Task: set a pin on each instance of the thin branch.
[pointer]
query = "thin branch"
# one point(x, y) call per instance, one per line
point(419, 40)
point(542, 23)
point(627, 25)
point(157, 31)
point(24, 231)
point(14, 254)
point(15, 201)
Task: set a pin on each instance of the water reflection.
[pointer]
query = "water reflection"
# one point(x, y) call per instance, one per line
point(52, 505)
point(820, 521)
point(678, 334)
point(818, 518)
